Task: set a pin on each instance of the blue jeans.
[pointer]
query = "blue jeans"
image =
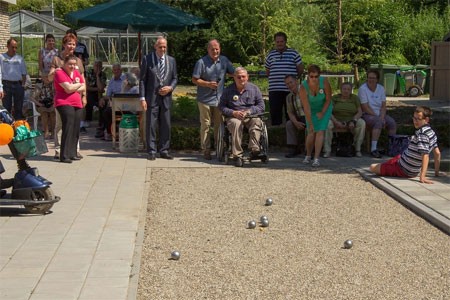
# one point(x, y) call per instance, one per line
point(14, 94)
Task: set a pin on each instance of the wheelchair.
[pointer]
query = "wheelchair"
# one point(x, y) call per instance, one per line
point(223, 145)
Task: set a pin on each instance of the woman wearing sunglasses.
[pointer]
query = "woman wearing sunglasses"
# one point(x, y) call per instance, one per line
point(315, 95)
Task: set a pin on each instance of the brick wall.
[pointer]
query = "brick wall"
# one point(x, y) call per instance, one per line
point(4, 25)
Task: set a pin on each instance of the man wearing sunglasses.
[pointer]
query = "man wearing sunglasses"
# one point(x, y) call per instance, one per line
point(238, 101)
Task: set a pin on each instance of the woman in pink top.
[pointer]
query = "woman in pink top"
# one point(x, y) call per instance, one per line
point(69, 85)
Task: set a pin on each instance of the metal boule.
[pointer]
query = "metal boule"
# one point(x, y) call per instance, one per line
point(265, 223)
point(251, 224)
point(175, 255)
point(269, 201)
point(348, 244)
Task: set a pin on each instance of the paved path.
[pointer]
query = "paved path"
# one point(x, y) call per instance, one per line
point(89, 247)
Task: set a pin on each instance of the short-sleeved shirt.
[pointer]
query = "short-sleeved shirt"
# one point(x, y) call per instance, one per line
point(423, 141)
point(58, 62)
point(345, 109)
point(61, 97)
point(47, 58)
point(294, 105)
point(81, 51)
point(250, 98)
point(279, 65)
point(373, 99)
point(114, 86)
point(13, 68)
point(91, 80)
point(209, 70)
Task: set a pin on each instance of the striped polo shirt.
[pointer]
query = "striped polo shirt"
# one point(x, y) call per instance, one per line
point(422, 142)
point(281, 64)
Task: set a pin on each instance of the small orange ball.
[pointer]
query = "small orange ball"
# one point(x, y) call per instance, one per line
point(6, 134)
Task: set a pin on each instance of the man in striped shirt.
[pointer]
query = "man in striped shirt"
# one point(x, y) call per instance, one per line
point(414, 160)
point(280, 62)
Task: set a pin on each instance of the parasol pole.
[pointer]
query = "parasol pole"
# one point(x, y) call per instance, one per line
point(139, 48)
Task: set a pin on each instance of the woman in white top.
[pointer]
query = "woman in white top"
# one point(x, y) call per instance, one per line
point(373, 105)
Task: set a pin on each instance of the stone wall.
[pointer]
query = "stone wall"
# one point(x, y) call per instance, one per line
point(4, 25)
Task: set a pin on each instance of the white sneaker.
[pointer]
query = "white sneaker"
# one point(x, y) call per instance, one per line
point(327, 154)
point(358, 154)
point(316, 163)
point(307, 160)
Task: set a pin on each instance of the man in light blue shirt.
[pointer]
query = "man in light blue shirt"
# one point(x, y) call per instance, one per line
point(1, 85)
point(105, 112)
point(209, 76)
point(14, 72)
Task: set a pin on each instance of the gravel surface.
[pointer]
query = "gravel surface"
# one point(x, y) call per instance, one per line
point(203, 212)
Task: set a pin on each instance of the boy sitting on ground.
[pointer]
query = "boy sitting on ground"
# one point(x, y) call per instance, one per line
point(414, 160)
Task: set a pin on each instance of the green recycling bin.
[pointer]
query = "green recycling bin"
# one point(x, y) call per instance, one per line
point(129, 134)
point(389, 84)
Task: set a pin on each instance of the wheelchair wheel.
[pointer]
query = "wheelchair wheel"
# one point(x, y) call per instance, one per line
point(220, 145)
point(264, 143)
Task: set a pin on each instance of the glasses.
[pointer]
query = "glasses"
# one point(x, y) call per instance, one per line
point(240, 77)
point(314, 76)
point(417, 119)
point(374, 78)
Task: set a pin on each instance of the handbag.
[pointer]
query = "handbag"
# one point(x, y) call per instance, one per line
point(397, 144)
point(344, 147)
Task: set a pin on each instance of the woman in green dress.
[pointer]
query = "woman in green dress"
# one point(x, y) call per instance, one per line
point(315, 95)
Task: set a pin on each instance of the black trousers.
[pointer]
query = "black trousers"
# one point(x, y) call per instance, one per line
point(14, 94)
point(70, 118)
point(158, 120)
point(277, 102)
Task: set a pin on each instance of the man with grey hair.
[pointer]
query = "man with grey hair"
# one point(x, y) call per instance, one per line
point(239, 100)
point(14, 72)
point(158, 79)
point(209, 77)
point(105, 117)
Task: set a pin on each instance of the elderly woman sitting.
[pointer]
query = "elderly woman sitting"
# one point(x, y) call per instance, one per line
point(130, 84)
point(346, 115)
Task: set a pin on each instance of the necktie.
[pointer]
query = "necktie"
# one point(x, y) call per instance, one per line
point(162, 67)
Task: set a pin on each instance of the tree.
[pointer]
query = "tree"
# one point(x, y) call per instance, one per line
point(424, 27)
point(61, 7)
point(370, 29)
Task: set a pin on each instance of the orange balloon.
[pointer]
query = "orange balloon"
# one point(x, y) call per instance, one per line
point(6, 134)
point(20, 123)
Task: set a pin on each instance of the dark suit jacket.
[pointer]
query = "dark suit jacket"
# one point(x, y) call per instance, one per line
point(150, 84)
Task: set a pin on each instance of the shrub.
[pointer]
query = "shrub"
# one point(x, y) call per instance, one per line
point(184, 108)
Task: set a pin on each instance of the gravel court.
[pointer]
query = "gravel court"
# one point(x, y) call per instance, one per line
point(203, 214)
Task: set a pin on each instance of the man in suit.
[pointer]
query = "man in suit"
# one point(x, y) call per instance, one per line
point(158, 79)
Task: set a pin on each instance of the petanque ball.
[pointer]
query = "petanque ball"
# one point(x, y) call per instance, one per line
point(263, 218)
point(348, 244)
point(269, 201)
point(265, 223)
point(251, 224)
point(175, 255)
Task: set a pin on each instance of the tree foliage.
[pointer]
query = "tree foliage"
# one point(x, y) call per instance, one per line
point(381, 31)
point(425, 26)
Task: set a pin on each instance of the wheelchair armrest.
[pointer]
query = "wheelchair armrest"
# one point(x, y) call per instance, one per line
point(262, 116)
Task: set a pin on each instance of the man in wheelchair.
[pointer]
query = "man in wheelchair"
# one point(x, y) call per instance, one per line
point(239, 101)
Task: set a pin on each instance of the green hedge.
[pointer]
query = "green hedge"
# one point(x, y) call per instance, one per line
point(188, 138)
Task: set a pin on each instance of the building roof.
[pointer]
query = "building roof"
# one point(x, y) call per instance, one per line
point(29, 23)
